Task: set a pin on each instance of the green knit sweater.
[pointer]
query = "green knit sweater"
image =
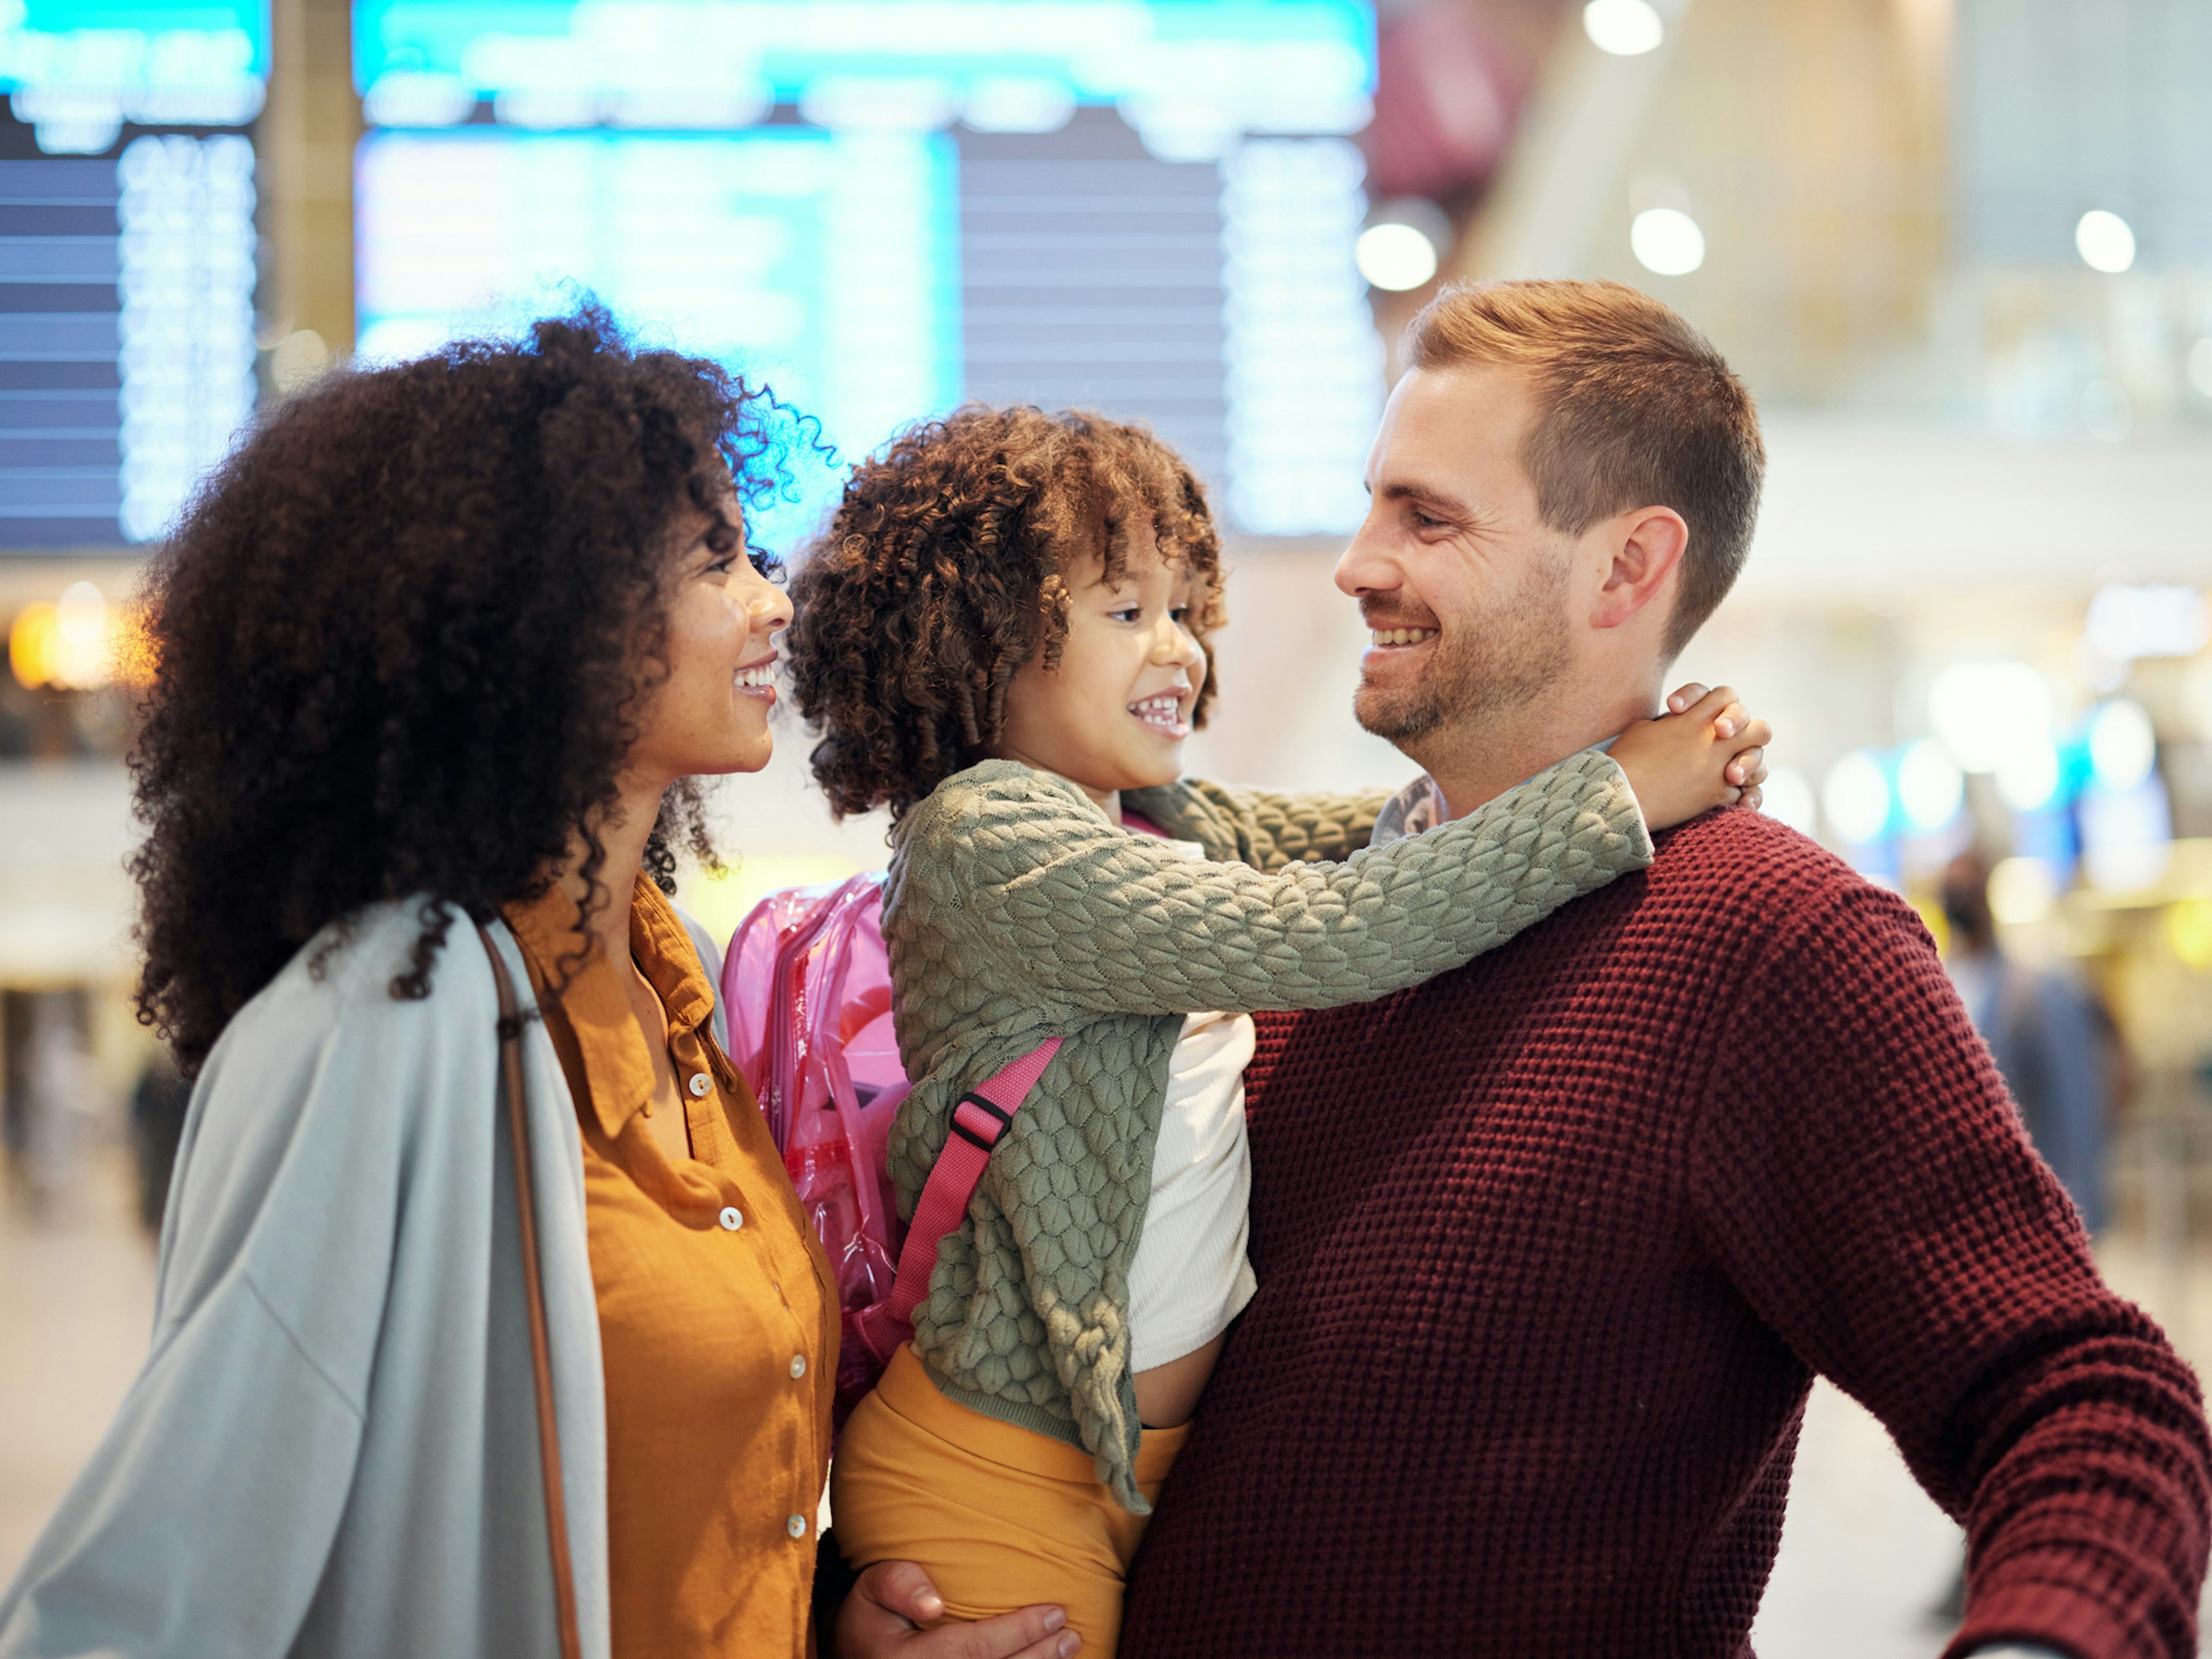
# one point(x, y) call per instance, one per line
point(1016, 911)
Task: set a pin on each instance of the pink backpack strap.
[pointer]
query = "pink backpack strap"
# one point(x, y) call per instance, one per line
point(984, 1115)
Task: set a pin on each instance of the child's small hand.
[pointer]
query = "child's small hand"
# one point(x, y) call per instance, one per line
point(1706, 751)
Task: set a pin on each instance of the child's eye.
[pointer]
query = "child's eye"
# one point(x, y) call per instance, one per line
point(1123, 613)
point(1179, 614)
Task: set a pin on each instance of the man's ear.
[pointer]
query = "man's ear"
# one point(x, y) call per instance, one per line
point(1646, 544)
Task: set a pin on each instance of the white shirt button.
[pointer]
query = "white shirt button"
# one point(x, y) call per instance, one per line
point(701, 1083)
point(731, 1219)
point(796, 1526)
point(798, 1366)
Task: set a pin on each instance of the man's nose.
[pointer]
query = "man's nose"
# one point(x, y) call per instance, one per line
point(1366, 567)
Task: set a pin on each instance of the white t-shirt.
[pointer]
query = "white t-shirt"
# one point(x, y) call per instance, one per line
point(1191, 1276)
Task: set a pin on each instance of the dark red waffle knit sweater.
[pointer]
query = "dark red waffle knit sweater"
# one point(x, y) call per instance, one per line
point(1550, 1249)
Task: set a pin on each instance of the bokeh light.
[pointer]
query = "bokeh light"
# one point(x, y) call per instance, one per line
point(1930, 788)
point(2123, 747)
point(1626, 28)
point(1396, 257)
point(1856, 797)
point(1986, 711)
point(2022, 891)
point(2105, 241)
point(1667, 241)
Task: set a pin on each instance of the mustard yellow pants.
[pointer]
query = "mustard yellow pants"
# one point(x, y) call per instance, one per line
point(1000, 1518)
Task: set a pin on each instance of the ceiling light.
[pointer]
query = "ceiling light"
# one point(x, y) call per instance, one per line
point(1667, 241)
point(2106, 242)
point(1626, 28)
point(1394, 257)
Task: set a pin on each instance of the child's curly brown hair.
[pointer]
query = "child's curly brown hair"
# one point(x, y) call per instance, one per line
point(945, 570)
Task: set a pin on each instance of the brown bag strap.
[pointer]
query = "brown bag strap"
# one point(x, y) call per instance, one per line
point(541, 1358)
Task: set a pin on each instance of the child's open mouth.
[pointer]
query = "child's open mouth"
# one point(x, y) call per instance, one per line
point(1161, 715)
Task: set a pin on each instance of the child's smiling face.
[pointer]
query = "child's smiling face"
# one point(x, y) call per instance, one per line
point(1112, 713)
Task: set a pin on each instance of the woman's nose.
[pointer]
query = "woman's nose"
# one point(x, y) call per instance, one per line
point(769, 609)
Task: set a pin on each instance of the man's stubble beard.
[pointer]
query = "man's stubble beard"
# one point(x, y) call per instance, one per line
point(1482, 667)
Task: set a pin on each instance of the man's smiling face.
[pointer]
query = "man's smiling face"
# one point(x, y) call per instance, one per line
point(1465, 589)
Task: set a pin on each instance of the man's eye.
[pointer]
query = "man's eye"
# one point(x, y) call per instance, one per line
point(1427, 521)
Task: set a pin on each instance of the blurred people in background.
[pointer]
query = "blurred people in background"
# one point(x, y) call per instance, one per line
point(2053, 1040)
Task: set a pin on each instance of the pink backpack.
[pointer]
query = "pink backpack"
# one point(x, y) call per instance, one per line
point(806, 986)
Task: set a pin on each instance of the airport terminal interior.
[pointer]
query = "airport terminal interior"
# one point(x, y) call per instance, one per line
point(1959, 250)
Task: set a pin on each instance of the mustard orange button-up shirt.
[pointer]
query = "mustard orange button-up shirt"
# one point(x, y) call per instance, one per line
point(718, 1315)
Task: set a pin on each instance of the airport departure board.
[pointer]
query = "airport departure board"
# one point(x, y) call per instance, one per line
point(883, 207)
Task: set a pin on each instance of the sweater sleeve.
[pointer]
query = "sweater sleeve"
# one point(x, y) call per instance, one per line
point(1866, 1184)
point(1110, 923)
point(1287, 828)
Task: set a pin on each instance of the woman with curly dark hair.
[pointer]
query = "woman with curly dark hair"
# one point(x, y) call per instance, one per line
point(1004, 638)
point(439, 648)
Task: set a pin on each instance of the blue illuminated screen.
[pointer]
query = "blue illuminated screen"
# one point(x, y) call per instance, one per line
point(127, 259)
point(883, 207)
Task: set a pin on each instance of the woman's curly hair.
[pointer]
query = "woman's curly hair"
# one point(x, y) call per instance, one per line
point(400, 640)
point(944, 571)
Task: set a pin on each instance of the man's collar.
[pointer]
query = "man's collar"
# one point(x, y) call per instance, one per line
point(1419, 806)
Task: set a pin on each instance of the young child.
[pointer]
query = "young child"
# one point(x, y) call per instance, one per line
point(1003, 636)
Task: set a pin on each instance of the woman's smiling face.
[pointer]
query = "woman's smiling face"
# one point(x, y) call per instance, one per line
point(1112, 713)
point(710, 714)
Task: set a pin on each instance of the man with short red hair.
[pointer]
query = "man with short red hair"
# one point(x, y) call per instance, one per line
point(1551, 1248)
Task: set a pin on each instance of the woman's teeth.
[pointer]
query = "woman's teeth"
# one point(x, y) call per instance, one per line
point(1163, 714)
point(1404, 635)
point(761, 677)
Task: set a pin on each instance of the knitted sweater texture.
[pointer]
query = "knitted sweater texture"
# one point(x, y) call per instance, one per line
point(1016, 911)
point(1551, 1247)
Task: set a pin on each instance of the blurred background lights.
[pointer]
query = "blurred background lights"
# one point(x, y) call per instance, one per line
point(2156, 620)
point(1668, 241)
point(2027, 777)
point(64, 646)
point(1626, 28)
point(1396, 256)
point(2022, 891)
point(2104, 240)
point(1930, 788)
point(1856, 797)
point(2122, 748)
point(1987, 711)
point(1789, 800)
point(2189, 933)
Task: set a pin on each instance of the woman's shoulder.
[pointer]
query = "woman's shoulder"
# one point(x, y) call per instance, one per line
point(319, 1095)
point(345, 974)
